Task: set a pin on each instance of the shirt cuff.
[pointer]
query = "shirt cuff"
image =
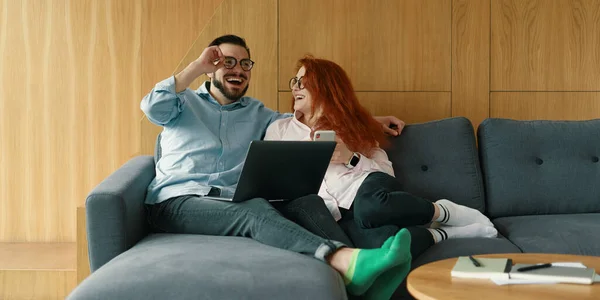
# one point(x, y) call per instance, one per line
point(168, 85)
point(364, 164)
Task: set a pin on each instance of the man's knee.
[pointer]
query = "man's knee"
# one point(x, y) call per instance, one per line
point(257, 205)
point(309, 203)
point(309, 199)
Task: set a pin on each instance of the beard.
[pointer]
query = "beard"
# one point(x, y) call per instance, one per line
point(229, 94)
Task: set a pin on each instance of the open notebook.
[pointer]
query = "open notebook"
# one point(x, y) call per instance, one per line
point(555, 273)
point(489, 268)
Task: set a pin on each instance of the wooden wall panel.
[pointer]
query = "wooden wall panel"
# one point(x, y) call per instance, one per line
point(73, 72)
point(169, 28)
point(36, 284)
point(545, 105)
point(69, 74)
point(411, 107)
point(256, 22)
point(470, 54)
point(36, 270)
point(83, 259)
point(383, 45)
point(37, 256)
point(5, 147)
point(540, 45)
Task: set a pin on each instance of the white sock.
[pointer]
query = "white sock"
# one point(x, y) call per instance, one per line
point(459, 215)
point(472, 230)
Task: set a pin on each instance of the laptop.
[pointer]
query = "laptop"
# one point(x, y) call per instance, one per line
point(282, 170)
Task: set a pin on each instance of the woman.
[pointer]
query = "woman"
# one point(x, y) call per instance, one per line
point(360, 182)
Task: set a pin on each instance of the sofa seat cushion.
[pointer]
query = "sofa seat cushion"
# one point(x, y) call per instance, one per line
point(567, 234)
point(178, 266)
point(465, 246)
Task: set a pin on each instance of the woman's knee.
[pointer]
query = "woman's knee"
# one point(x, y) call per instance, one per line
point(380, 180)
point(367, 213)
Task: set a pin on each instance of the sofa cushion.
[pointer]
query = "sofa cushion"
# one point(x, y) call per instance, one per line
point(568, 234)
point(540, 167)
point(465, 246)
point(439, 159)
point(169, 266)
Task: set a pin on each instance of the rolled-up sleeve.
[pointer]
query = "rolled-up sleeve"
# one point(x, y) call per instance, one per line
point(162, 104)
point(377, 162)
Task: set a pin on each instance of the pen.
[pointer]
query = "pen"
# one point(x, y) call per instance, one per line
point(534, 267)
point(474, 261)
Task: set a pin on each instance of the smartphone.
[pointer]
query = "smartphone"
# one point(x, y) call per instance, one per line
point(324, 135)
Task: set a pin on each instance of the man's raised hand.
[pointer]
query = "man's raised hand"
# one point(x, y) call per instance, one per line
point(209, 61)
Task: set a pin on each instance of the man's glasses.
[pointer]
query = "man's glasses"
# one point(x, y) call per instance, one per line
point(297, 81)
point(230, 62)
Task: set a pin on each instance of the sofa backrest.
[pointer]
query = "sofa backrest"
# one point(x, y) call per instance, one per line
point(540, 167)
point(434, 160)
point(438, 160)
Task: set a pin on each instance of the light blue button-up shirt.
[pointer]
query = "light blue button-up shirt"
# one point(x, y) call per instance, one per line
point(203, 143)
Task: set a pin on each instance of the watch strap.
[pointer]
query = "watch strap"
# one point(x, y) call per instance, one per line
point(353, 160)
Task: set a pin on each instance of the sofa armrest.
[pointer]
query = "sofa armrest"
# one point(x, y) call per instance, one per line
point(115, 211)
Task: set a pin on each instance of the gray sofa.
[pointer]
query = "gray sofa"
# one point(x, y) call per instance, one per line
point(537, 181)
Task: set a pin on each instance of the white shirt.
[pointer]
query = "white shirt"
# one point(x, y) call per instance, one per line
point(340, 184)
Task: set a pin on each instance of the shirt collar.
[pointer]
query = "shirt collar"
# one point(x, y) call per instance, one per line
point(296, 121)
point(203, 91)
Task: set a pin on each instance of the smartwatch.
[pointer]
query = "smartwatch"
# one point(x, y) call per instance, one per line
point(353, 161)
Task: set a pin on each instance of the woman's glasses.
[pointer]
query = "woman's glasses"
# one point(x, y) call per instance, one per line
point(296, 81)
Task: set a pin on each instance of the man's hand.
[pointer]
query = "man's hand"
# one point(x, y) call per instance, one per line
point(341, 154)
point(391, 125)
point(209, 61)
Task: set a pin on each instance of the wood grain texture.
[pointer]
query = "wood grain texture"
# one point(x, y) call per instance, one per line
point(411, 107)
point(256, 22)
point(69, 73)
point(539, 45)
point(36, 270)
point(37, 256)
point(169, 28)
point(545, 105)
point(470, 54)
point(5, 204)
point(433, 281)
point(385, 45)
point(83, 260)
point(36, 284)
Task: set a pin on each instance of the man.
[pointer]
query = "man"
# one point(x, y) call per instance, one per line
point(206, 135)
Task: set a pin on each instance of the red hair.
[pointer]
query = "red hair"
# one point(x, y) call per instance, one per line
point(332, 92)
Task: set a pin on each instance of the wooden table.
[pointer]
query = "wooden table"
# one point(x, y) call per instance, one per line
point(433, 281)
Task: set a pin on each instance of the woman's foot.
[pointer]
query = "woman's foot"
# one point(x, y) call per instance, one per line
point(453, 214)
point(473, 230)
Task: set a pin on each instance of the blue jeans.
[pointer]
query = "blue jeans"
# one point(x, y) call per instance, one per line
point(256, 219)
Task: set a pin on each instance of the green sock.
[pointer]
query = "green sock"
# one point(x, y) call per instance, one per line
point(366, 265)
point(386, 284)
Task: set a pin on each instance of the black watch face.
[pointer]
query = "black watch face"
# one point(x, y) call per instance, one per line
point(354, 161)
